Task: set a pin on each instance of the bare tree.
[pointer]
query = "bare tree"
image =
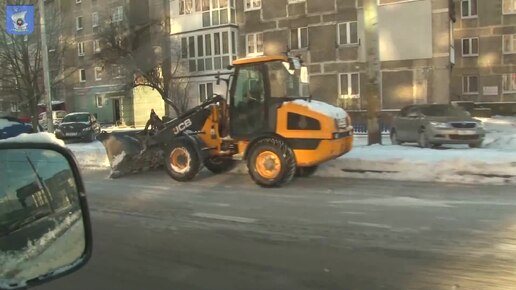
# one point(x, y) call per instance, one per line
point(142, 48)
point(20, 56)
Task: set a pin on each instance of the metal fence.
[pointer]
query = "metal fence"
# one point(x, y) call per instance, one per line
point(361, 129)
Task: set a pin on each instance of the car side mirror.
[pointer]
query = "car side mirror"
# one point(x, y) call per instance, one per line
point(45, 230)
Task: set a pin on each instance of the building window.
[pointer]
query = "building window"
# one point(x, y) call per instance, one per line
point(469, 8)
point(299, 38)
point(96, 46)
point(349, 84)
point(348, 33)
point(253, 4)
point(470, 84)
point(509, 43)
point(509, 83)
point(80, 48)
point(116, 71)
point(207, 52)
point(94, 19)
point(98, 73)
point(78, 23)
point(118, 14)
point(470, 46)
point(82, 75)
point(254, 44)
point(186, 7)
point(205, 91)
point(509, 6)
point(220, 12)
point(98, 101)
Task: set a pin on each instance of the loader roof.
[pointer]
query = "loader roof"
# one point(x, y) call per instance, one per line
point(258, 59)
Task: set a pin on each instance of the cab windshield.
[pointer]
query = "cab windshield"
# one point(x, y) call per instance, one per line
point(286, 82)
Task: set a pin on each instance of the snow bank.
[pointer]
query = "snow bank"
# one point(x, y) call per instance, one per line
point(501, 132)
point(322, 108)
point(90, 155)
point(42, 137)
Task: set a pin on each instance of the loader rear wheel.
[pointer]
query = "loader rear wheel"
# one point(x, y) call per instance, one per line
point(182, 161)
point(271, 163)
point(306, 171)
point(219, 164)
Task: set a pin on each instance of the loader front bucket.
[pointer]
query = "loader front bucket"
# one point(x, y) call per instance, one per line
point(131, 152)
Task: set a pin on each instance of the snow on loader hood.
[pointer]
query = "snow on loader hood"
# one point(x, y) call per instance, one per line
point(322, 108)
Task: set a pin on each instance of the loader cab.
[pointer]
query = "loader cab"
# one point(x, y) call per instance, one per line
point(260, 85)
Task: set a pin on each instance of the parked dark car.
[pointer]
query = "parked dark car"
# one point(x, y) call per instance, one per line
point(436, 124)
point(78, 125)
point(12, 127)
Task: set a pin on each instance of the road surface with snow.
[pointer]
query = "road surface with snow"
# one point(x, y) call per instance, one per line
point(223, 232)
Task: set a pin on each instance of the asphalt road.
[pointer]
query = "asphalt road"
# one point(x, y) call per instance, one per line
point(223, 232)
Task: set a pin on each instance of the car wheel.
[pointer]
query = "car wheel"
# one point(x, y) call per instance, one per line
point(423, 140)
point(475, 145)
point(394, 138)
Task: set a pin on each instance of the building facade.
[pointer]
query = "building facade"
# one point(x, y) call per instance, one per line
point(329, 35)
point(105, 88)
point(485, 41)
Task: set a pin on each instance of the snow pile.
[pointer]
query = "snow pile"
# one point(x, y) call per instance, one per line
point(458, 164)
point(42, 137)
point(322, 108)
point(501, 132)
point(118, 159)
point(90, 155)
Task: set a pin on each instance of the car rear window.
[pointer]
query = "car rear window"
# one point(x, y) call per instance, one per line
point(76, 118)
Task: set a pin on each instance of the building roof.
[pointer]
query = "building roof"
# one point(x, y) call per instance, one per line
point(258, 59)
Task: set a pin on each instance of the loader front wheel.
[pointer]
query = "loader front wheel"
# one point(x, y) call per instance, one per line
point(271, 163)
point(219, 164)
point(182, 161)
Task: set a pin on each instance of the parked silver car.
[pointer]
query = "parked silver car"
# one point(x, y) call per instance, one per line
point(436, 124)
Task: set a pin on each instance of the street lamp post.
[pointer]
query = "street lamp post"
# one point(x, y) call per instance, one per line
point(46, 73)
point(372, 47)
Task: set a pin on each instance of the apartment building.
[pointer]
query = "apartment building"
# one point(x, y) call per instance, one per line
point(414, 38)
point(101, 88)
point(485, 41)
point(204, 41)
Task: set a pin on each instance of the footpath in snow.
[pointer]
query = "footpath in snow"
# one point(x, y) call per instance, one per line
point(494, 163)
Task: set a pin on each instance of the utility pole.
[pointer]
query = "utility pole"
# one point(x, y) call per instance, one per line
point(46, 73)
point(373, 71)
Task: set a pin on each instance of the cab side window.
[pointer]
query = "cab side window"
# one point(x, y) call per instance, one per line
point(249, 85)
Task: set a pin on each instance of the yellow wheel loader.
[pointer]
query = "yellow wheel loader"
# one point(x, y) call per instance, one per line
point(268, 120)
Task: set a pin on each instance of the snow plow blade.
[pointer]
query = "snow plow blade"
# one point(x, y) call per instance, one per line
point(131, 152)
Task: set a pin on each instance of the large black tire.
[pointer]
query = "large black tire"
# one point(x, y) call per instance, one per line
point(271, 163)
point(305, 171)
point(219, 164)
point(182, 162)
